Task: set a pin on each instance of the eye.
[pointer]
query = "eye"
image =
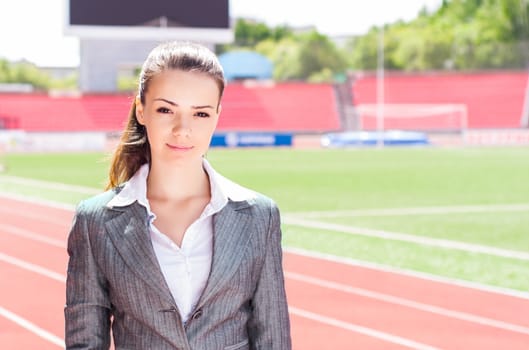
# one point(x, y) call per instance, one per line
point(202, 114)
point(163, 110)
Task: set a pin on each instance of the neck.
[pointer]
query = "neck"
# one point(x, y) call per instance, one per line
point(176, 182)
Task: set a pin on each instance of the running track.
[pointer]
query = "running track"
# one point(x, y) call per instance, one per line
point(333, 305)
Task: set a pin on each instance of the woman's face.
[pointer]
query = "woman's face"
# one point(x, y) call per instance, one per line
point(180, 114)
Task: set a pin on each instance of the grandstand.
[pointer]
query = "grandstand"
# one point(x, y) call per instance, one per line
point(284, 107)
point(493, 101)
point(294, 107)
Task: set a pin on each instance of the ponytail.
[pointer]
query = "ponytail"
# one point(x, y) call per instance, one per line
point(131, 153)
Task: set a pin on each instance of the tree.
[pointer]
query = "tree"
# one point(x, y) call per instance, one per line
point(4, 71)
point(517, 13)
point(24, 73)
point(318, 53)
point(302, 56)
point(28, 73)
point(362, 51)
point(284, 55)
point(248, 33)
point(461, 34)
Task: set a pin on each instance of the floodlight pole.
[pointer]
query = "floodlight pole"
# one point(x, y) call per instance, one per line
point(524, 119)
point(380, 88)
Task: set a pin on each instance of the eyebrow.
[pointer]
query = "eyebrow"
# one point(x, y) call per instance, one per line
point(176, 104)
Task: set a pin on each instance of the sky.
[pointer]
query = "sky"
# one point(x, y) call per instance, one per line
point(33, 29)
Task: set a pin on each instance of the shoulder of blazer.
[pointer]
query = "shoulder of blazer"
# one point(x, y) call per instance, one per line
point(97, 203)
point(242, 197)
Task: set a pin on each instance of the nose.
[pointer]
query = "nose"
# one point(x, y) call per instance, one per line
point(182, 126)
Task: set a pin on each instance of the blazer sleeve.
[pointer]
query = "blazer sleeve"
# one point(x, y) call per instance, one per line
point(269, 326)
point(87, 311)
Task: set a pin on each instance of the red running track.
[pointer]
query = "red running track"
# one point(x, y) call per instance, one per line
point(333, 305)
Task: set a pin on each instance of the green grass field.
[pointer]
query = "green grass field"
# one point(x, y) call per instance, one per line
point(345, 190)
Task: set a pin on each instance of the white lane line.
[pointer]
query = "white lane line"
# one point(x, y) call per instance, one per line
point(32, 267)
point(38, 201)
point(45, 217)
point(483, 208)
point(390, 338)
point(33, 328)
point(13, 230)
point(333, 322)
point(299, 312)
point(408, 303)
point(61, 278)
point(409, 273)
point(404, 237)
point(49, 185)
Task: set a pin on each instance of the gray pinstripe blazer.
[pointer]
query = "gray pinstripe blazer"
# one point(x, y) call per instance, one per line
point(114, 281)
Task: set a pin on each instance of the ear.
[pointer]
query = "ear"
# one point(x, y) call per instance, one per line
point(139, 111)
point(219, 109)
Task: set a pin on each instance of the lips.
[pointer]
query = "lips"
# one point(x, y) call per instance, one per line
point(180, 147)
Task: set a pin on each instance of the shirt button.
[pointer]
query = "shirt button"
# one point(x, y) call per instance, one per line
point(197, 314)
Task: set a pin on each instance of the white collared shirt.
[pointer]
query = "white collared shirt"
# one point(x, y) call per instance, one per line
point(186, 268)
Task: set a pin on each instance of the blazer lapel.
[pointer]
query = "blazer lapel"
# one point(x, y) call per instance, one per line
point(130, 234)
point(232, 228)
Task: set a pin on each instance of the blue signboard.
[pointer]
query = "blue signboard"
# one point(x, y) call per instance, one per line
point(251, 139)
point(372, 138)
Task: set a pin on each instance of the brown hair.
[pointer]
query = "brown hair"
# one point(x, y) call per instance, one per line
point(133, 149)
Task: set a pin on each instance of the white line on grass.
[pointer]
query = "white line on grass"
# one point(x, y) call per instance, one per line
point(52, 338)
point(49, 185)
point(390, 338)
point(408, 303)
point(409, 273)
point(483, 208)
point(317, 214)
point(403, 237)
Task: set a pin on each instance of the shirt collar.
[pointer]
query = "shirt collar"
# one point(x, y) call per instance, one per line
point(135, 189)
point(222, 189)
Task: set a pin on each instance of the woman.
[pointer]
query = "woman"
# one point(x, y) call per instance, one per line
point(173, 255)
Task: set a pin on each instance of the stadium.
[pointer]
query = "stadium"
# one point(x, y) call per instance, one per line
point(403, 197)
